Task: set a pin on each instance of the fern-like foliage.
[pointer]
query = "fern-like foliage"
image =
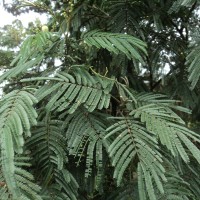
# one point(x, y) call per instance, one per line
point(175, 187)
point(176, 6)
point(85, 133)
point(134, 141)
point(48, 149)
point(192, 174)
point(169, 127)
point(47, 137)
point(17, 115)
point(75, 88)
point(117, 43)
point(24, 180)
point(193, 60)
point(96, 136)
point(123, 15)
point(32, 53)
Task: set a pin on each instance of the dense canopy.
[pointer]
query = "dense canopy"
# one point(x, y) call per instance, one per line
point(102, 102)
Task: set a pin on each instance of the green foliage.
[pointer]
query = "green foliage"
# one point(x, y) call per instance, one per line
point(85, 133)
point(47, 138)
point(70, 90)
point(133, 140)
point(17, 115)
point(116, 43)
point(178, 4)
point(93, 108)
point(175, 187)
point(169, 127)
point(193, 61)
point(32, 53)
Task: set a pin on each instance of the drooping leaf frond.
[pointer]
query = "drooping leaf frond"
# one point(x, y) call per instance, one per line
point(63, 187)
point(24, 181)
point(32, 53)
point(193, 177)
point(169, 127)
point(85, 133)
point(123, 16)
point(144, 98)
point(175, 187)
point(48, 147)
point(116, 43)
point(134, 141)
point(193, 62)
point(17, 115)
point(50, 151)
point(70, 90)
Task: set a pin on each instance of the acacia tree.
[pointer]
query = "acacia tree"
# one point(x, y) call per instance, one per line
point(90, 111)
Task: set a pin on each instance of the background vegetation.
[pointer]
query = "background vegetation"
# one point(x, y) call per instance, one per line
point(102, 103)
